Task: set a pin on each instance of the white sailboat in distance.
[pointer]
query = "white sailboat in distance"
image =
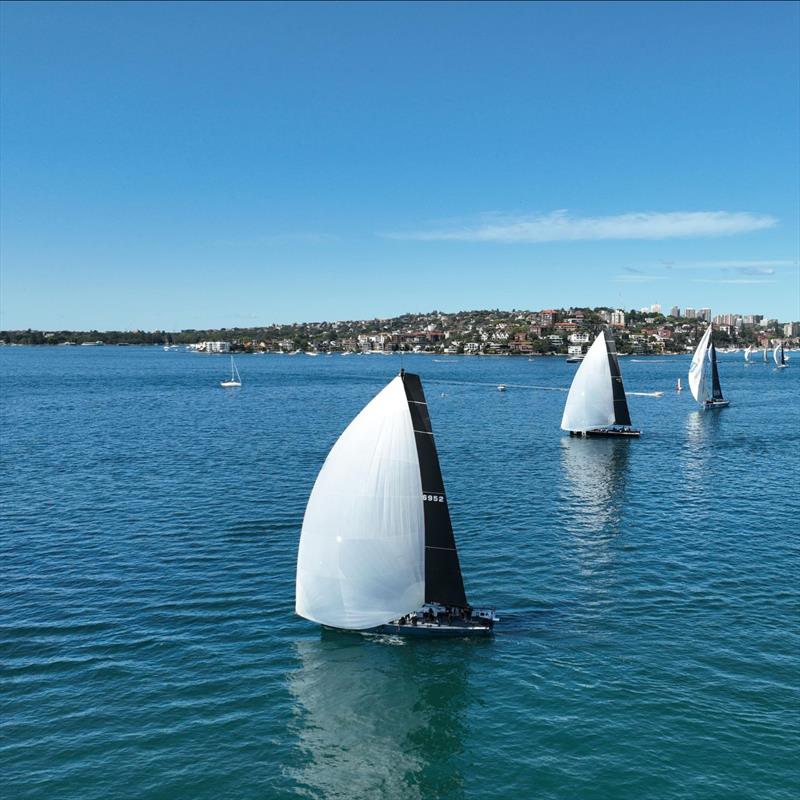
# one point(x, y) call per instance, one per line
point(708, 395)
point(235, 380)
point(377, 552)
point(747, 352)
point(596, 404)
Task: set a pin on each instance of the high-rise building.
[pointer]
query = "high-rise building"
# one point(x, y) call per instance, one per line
point(791, 329)
point(617, 319)
point(675, 311)
point(655, 308)
point(751, 319)
point(704, 314)
point(689, 313)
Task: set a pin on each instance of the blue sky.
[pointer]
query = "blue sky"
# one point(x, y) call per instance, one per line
point(190, 165)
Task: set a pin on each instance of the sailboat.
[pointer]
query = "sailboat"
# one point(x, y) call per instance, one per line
point(234, 381)
point(377, 552)
point(747, 352)
point(698, 378)
point(766, 352)
point(596, 403)
point(779, 357)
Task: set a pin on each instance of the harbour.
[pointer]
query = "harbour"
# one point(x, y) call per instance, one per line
point(647, 602)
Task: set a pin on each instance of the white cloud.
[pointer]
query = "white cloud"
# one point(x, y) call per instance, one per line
point(729, 280)
point(636, 278)
point(561, 226)
point(752, 264)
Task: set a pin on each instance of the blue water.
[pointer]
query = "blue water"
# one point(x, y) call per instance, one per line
point(648, 589)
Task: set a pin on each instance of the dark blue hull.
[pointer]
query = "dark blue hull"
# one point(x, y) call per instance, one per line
point(433, 631)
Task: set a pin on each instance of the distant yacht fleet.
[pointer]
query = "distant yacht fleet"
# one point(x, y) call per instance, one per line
point(377, 552)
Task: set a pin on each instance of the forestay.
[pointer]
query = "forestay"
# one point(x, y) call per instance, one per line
point(590, 402)
point(361, 557)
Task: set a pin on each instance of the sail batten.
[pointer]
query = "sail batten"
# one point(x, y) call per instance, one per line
point(622, 415)
point(443, 580)
point(716, 389)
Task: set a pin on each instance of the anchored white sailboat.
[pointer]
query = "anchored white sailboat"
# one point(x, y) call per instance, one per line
point(377, 552)
point(779, 357)
point(596, 403)
point(235, 380)
point(709, 396)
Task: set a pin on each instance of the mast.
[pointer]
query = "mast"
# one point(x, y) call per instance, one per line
point(443, 581)
point(621, 414)
point(716, 389)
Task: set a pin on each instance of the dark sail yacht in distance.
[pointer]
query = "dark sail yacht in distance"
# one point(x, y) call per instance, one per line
point(377, 552)
point(596, 404)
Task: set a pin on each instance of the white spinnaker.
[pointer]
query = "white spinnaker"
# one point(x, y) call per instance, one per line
point(590, 402)
point(697, 370)
point(747, 352)
point(776, 354)
point(361, 557)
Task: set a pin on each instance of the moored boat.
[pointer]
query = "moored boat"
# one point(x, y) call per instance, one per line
point(235, 381)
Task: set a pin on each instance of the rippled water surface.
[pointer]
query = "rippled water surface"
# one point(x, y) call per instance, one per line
point(648, 590)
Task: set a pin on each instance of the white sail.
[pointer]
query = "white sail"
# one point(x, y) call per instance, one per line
point(766, 353)
point(590, 402)
point(697, 370)
point(747, 352)
point(776, 354)
point(361, 557)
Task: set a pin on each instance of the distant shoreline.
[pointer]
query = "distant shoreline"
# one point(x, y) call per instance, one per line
point(181, 348)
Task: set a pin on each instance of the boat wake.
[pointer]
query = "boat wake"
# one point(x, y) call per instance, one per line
point(645, 394)
point(507, 385)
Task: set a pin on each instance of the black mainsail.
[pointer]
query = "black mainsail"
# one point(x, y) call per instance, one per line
point(443, 581)
point(716, 389)
point(621, 414)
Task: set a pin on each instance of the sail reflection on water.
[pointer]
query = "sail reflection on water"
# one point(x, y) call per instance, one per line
point(376, 720)
point(594, 481)
point(702, 430)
